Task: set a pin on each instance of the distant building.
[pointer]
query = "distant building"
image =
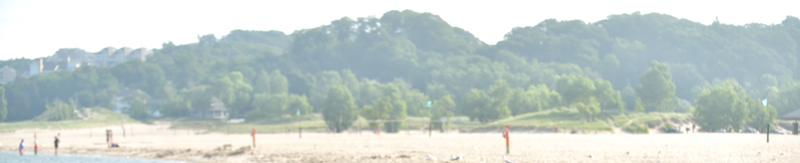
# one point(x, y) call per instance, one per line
point(73, 58)
point(217, 110)
point(7, 75)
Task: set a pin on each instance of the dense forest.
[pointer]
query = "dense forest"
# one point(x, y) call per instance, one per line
point(388, 68)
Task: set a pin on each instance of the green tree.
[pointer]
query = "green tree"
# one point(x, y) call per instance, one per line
point(398, 112)
point(267, 106)
point(607, 96)
point(521, 102)
point(639, 107)
point(722, 107)
point(340, 109)
point(761, 115)
point(58, 111)
point(3, 104)
point(437, 91)
point(380, 112)
point(591, 109)
point(491, 106)
point(574, 88)
point(272, 83)
point(233, 91)
point(198, 99)
point(142, 75)
point(137, 109)
point(656, 88)
point(477, 103)
point(442, 108)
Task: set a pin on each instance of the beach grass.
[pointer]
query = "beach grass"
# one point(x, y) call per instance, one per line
point(99, 117)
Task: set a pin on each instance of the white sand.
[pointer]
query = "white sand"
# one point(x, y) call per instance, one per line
point(149, 142)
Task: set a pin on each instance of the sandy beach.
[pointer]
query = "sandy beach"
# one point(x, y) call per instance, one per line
point(148, 141)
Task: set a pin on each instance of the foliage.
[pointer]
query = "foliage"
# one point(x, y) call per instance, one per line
point(138, 110)
point(639, 106)
point(486, 107)
point(412, 57)
point(535, 98)
point(590, 109)
point(442, 107)
point(637, 128)
point(656, 88)
point(668, 126)
point(58, 111)
point(268, 106)
point(722, 107)
point(340, 110)
point(378, 113)
point(233, 90)
point(3, 104)
point(760, 115)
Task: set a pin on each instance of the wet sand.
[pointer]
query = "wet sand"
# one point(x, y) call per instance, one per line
point(147, 141)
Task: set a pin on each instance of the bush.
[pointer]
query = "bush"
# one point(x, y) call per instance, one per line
point(636, 128)
point(668, 126)
point(58, 110)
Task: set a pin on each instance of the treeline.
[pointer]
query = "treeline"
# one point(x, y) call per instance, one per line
point(391, 66)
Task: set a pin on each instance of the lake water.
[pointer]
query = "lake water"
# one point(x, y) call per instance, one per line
point(6, 156)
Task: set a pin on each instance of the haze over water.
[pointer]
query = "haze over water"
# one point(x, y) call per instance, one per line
point(66, 158)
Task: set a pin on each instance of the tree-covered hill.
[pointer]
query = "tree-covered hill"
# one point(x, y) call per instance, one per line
point(397, 62)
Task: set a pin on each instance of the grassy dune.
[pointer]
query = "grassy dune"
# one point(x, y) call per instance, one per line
point(565, 118)
point(99, 117)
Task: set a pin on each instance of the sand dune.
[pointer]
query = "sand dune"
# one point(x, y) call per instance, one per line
point(147, 141)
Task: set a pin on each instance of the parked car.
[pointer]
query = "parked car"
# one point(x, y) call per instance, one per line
point(776, 131)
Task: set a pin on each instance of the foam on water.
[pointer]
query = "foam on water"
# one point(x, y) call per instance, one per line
point(6, 156)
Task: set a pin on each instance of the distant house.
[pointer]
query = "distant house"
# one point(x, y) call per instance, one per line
point(217, 110)
point(7, 75)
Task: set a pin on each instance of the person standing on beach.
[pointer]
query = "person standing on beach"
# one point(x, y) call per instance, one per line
point(56, 143)
point(21, 147)
point(35, 145)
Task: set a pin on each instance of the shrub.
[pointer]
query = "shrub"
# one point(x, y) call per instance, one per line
point(668, 126)
point(636, 128)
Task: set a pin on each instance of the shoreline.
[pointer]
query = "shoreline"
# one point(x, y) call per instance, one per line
point(49, 154)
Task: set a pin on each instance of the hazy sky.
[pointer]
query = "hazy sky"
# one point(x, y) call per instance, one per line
point(38, 28)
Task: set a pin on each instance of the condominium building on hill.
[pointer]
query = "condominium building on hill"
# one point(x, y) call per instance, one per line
point(72, 58)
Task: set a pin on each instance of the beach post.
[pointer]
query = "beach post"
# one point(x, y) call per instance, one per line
point(506, 135)
point(253, 134)
point(430, 129)
point(768, 133)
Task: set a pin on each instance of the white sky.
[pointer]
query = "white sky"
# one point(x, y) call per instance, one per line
point(38, 28)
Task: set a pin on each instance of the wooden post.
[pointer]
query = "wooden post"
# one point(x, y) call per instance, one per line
point(768, 133)
point(430, 129)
